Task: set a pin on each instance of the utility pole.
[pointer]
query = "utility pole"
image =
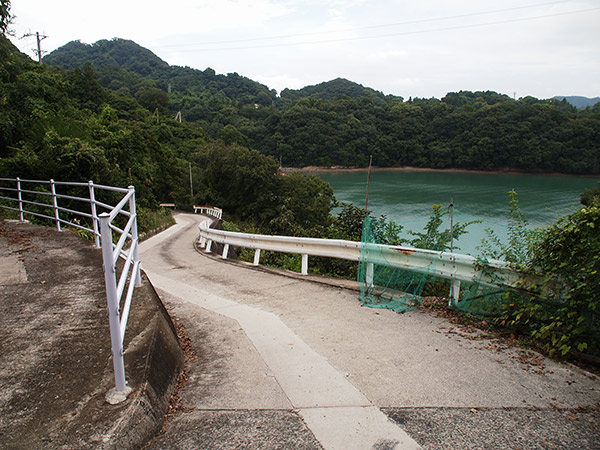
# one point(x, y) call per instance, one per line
point(451, 208)
point(191, 182)
point(368, 180)
point(39, 52)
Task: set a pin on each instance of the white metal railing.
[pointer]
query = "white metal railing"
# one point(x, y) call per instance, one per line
point(26, 192)
point(213, 211)
point(453, 266)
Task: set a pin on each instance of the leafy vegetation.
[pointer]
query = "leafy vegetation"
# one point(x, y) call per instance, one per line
point(566, 255)
point(559, 304)
point(433, 238)
point(4, 15)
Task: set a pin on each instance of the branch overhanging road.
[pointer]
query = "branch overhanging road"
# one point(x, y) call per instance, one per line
point(283, 358)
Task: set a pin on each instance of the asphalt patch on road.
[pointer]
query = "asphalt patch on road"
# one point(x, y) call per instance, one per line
point(499, 429)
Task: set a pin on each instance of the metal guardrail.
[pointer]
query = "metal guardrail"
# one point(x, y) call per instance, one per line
point(209, 211)
point(102, 227)
point(453, 266)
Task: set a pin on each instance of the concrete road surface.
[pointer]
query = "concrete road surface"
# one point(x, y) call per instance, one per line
point(285, 363)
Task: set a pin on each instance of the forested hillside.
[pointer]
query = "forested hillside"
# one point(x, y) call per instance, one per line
point(341, 123)
point(117, 60)
point(63, 124)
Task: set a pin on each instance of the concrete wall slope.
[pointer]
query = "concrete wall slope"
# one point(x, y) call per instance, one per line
point(55, 362)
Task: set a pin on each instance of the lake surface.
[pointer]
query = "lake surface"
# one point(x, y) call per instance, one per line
point(406, 198)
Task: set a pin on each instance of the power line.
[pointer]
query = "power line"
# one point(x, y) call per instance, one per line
point(404, 33)
point(397, 24)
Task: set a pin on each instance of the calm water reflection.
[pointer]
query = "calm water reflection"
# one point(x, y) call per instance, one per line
point(406, 197)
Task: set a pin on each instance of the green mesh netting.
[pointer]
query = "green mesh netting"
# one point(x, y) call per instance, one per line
point(481, 300)
point(383, 286)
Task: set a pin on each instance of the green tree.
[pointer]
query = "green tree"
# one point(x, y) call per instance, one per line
point(589, 196)
point(153, 99)
point(5, 17)
point(304, 204)
point(85, 86)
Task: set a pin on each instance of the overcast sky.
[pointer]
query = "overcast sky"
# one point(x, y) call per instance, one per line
point(418, 48)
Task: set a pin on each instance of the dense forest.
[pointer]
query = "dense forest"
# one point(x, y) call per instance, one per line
point(63, 124)
point(341, 123)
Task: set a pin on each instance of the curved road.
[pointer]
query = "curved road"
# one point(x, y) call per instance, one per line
point(288, 363)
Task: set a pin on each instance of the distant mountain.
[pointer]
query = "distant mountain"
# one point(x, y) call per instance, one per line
point(116, 59)
point(579, 102)
point(330, 90)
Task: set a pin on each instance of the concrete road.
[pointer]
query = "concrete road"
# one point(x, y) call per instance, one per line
point(288, 363)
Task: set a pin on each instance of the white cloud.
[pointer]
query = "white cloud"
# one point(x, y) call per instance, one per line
point(280, 82)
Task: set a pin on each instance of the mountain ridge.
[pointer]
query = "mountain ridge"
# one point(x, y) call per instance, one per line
point(122, 54)
point(578, 101)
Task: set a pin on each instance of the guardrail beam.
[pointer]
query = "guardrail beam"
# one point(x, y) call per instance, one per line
point(451, 266)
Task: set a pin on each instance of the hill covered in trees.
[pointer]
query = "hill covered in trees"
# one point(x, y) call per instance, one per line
point(578, 101)
point(341, 123)
point(124, 65)
point(330, 90)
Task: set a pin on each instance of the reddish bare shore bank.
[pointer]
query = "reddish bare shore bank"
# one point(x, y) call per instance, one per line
point(323, 169)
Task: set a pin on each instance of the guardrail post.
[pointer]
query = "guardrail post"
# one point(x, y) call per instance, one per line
point(134, 235)
point(112, 301)
point(256, 256)
point(369, 274)
point(304, 265)
point(55, 204)
point(94, 214)
point(19, 196)
point(454, 291)
point(225, 251)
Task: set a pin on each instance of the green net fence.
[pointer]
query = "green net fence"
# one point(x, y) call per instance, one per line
point(384, 286)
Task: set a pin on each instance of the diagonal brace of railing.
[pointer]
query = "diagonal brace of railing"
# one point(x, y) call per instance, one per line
point(114, 290)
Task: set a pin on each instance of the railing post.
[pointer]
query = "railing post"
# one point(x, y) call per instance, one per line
point(19, 196)
point(304, 264)
point(112, 302)
point(55, 204)
point(225, 251)
point(134, 235)
point(94, 214)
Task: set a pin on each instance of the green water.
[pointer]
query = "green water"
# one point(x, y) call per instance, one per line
point(406, 197)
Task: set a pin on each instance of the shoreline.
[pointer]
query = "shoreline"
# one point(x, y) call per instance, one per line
point(342, 169)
